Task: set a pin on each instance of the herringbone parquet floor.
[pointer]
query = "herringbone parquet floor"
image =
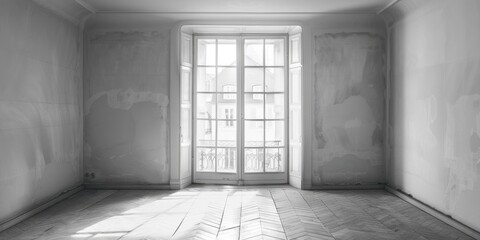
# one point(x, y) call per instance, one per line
point(233, 213)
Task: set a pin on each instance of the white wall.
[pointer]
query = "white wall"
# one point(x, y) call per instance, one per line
point(435, 104)
point(113, 64)
point(40, 106)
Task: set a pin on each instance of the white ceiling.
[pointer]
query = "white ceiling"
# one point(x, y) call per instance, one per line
point(236, 6)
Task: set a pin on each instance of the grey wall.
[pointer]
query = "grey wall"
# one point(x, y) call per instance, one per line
point(435, 104)
point(126, 107)
point(349, 108)
point(40, 106)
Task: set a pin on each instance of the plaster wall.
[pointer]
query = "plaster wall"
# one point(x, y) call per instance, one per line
point(435, 104)
point(349, 108)
point(40, 106)
point(135, 53)
point(126, 107)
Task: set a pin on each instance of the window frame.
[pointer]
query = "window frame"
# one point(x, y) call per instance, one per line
point(240, 101)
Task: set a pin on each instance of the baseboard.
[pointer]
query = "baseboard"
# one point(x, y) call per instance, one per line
point(435, 213)
point(185, 182)
point(295, 181)
point(348, 187)
point(181, 184)
point(215, 183)
point(15, 220)
point(128, 186)
point(264, 182)
point(306, 186)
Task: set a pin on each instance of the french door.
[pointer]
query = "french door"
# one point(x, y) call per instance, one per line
point(240, 120)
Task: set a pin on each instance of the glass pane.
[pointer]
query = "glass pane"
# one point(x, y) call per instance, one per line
point(254, 133)
point(227, 134)
point(275, 106)
point(206, 52)
point(206, 133)
point(274, 52)
point(206, 105)
point(274, 80)
point(254, 52)
point(205, 159)
point(274, 160)
point(206, 79)
point(254, 79)
point(227, 52)
point(227, 80)
point(226, 160)
point(254, 105)
point(274, 134)
point(253, 159)
point(227, 110)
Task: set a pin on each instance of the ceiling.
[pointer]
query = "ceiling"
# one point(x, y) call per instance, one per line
point(236, 6)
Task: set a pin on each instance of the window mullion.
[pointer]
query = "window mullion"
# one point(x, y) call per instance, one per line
point(264, 107)
point(216, 105)
point(240, 108)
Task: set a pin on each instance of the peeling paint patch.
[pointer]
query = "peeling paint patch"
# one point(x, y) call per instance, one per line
point(349, 169)
point(124, 99)
point(349, 108)
point(126, 145)
point(126, 106)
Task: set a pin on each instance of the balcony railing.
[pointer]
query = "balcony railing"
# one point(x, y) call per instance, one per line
point(233, 143)
point(226, 160)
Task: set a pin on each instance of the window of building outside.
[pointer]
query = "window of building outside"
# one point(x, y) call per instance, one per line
point(257, 88)
point(230, 96)
point(229, 115)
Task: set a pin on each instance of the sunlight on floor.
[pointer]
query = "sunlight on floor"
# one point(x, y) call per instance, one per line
point(154, 218)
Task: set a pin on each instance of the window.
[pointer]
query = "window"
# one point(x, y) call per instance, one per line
point(230, 88)
point(229, 115)
point(234, 137)
point(257, 88)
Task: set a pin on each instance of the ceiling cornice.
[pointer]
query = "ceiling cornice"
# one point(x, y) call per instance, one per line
point(73, 10)
point(393, 2)
point(87, 6)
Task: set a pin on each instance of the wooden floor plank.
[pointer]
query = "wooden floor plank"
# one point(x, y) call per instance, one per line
point(217, 212)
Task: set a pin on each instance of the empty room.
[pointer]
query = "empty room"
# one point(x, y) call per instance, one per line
point(240, 119)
